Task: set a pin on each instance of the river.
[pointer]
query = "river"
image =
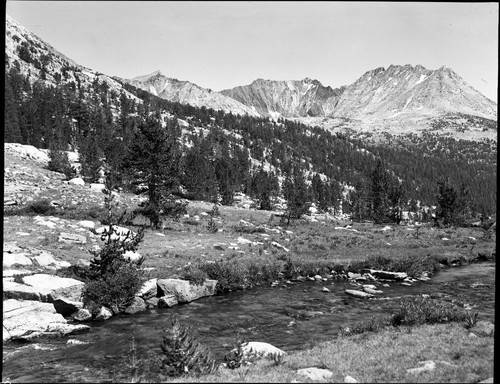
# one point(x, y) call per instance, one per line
point(291, 317)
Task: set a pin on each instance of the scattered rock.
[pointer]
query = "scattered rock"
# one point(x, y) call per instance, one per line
point(167, 301)
point(76, 181)
point(137, 305)
point(82, 315)
point(184, 291)
point(278, 245)
point(372, 291)
point(325, 289)
point(316, 374)
point(149, 289)
point(43, 259)
point(388, 275)
point(257, 349)
point(350, 379)
point(86, 224)
point(97, 186)
point(10, 259)
point(152, 302)
point(132, 255)
point(484, 328)
point(428, 365)
point(103, 314)
point(363, 295)
point(51, 287)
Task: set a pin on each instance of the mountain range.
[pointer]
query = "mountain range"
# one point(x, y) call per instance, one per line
point(396, 99)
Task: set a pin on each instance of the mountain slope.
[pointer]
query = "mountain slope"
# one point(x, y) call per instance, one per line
point(39, 61)
point(384, 93)
point(291, 98)
point(186, 92)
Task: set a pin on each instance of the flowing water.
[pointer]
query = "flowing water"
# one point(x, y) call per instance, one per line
point(291, 317)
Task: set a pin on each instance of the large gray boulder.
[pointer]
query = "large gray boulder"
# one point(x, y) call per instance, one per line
point(28, 319)
point(184, 291)
point(51, 287)
point(13, 290)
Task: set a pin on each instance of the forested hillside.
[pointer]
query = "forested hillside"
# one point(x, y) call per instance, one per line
point(220, 154)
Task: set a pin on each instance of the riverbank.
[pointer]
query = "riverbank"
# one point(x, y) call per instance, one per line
point(449, 351)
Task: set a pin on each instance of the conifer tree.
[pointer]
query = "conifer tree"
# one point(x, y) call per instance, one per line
point(153, 160)
point(296, 193)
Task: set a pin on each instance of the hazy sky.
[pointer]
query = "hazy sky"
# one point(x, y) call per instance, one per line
point(221, 45)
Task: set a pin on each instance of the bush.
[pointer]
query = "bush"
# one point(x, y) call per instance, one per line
point(116, 289)
point(183, 354)
point(230, 276)
point(422, 310)
point(59, 162)
point(113, 280)
point(194, 275)
point(371, 325)
point(167, 208)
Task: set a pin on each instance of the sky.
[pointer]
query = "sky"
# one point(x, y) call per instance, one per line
point(221, 45)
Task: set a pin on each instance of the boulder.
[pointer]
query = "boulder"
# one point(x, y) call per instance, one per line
point(132, 255)
point(148, 289)
point(350, 379)
point(316, 374)
point(10, 259)
point(184, 291)
point(279, 246)
point(371, 291)
point(76, 181)
point(21, 317)
point(13, 290)
point(82, 315)
point(43, 259)
point(388, 275)
point(104, 314)
point(361, 294)
point(152, 302)
point(257, 349)
point(137, 305)
point(67, 329)
point(86, 224)
point(97, 186)
point(167, 301)
point(67, 307)
point(51, 287)
point(484, 328)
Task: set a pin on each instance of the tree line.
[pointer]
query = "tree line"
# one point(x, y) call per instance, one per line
point(215, 154)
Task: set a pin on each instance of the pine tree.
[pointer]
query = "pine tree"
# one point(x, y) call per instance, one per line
point(296, 194)
point(379, 193)
point(153, 159)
